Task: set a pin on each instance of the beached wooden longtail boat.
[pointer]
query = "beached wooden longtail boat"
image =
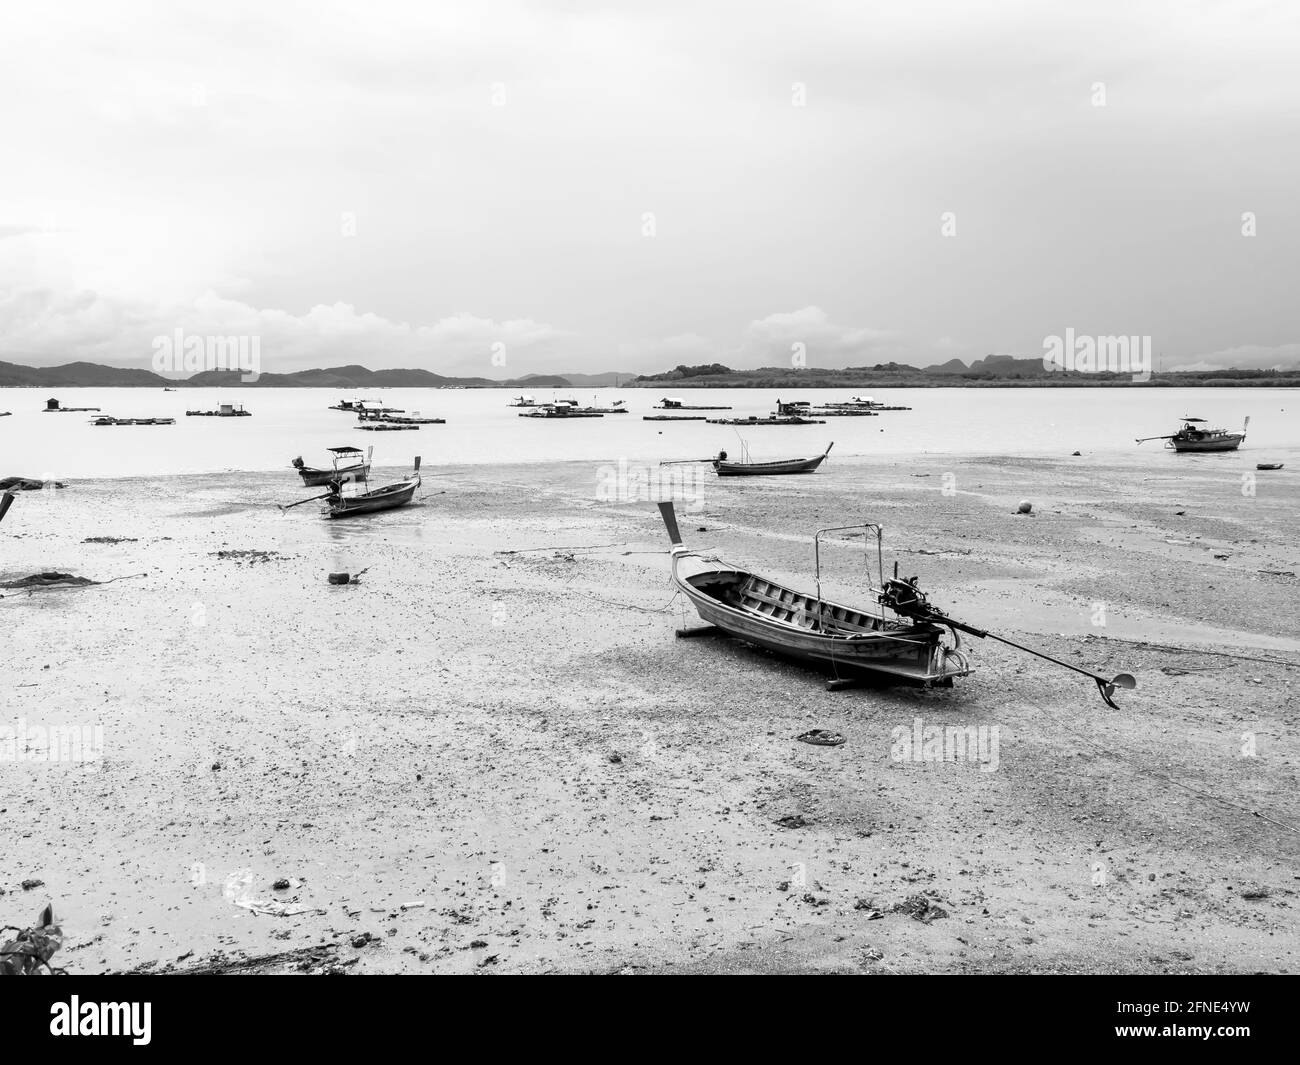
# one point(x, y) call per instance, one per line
point(1191, 437)
point(347, 461)
point(388, 497)
point(725, 468)
point(901, 636)
point(341, 504)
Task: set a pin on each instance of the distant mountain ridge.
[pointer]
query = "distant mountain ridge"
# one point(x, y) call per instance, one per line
point(343, 378)
point(994, 371)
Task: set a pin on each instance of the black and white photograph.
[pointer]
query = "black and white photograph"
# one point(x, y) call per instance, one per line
point(911, 590)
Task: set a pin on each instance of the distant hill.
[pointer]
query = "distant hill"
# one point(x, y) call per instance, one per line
point(992, 371)
point(537, 380)
point(1004, 366)
point(341, 377)
point(344, 378)
point(76, 374)
point(592, 380)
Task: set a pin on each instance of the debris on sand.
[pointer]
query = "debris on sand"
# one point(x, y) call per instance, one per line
point(273, 908)
point(1255, 893)
point(26, 484)
point(935, 551)
point(920, 908)
point(239, 890)
point(321, 960)
point(792, 821)
point(347, 578)
point(110, 540)
point(249, 555)
point(33, 947)
point(820, 737)
point(50, 579)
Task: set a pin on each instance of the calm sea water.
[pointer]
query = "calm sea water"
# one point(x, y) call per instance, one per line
point(481, 428)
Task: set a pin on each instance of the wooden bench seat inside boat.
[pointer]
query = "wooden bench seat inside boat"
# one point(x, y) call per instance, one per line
point(759, 596)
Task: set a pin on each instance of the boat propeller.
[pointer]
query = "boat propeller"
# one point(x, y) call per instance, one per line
point(904, 598)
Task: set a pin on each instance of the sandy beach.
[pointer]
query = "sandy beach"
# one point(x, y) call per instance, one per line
point(491, 753)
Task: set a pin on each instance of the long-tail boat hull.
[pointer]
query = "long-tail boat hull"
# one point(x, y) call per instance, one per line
point(805, 627)
point(311, 476)
point(389, 497)
point(1227, 442)
point(766, 469)
point(1192, 437)
point(724, 468)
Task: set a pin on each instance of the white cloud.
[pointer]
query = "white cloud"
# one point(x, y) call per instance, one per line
point(772, 340)
point(1246, 357)
point(45, 327)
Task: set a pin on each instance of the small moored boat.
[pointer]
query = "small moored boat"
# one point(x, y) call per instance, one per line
point(1191, 437)
point(388, 497)
point(348, 461)
point(725, 468)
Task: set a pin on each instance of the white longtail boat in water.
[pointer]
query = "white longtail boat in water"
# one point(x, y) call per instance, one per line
point(1191, 437)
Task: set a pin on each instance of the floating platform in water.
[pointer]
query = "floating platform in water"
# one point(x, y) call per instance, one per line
point(226, 410)
point(559, 413)
point(771, 419)
point(668, 403)
point(673, 418)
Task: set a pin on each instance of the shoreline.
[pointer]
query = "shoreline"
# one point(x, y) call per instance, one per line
point(1097, 460)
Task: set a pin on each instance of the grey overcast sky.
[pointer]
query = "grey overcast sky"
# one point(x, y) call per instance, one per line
point(631, 186)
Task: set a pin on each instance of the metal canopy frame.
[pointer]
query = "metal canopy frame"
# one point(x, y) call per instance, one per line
point(864, 528)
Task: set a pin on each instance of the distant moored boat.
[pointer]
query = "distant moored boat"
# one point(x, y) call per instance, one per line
point(1191, 437)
